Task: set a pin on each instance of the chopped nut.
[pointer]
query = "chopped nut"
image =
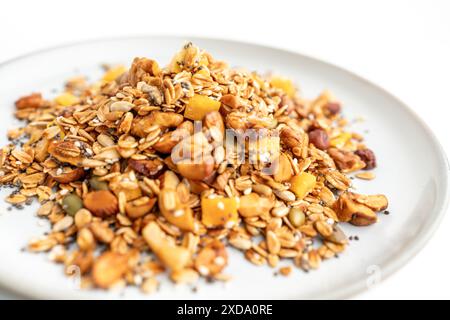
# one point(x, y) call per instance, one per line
point(101, 203)
point(368, 157)
point(109, 268)
point(319, 138)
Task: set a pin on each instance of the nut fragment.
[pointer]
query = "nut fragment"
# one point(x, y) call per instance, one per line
point(34, 100)
point(172, 256)
point(319, 138)
point(109, 268)
point(353, 212)
point(101, 203)
point(368, 157)
point(346, 161)
point(67, 175)
point(149, 168)
point(252, 205)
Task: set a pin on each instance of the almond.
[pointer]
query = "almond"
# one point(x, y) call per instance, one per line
point(68, 175)
point(101, 203)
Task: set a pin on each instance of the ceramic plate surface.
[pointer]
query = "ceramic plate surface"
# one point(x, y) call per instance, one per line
point(412, 171)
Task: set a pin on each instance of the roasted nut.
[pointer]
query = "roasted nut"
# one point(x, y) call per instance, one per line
point(172, 256)
point(253, 205)
point(85, 240)
point(109, 268)
point(333, 108)
point(291, 138)
point(176, 212)
point(213, 120)
point(364, 217)
point(368, 157)
point(196, 169)
point(101, 203)
point(231, 101)
point(319, 138)
point(83, 260)
point(149, 168)
point(348, 210)
point(67, 175)
point(34, 100)
point(168, 141)
point(142, 68)
point(346, 161)
point(141, 126)
point(102, 232)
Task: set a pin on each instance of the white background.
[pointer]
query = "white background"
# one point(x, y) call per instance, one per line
point(402, 45)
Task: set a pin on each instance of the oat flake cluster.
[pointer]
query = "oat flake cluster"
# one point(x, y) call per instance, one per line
point(98, 159)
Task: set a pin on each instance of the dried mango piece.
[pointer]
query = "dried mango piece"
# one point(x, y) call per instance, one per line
point(199, 105)
point(302, 184)
point(219, 212)
point(113, 73)
point(284, 84)
point(341, 140)
point(66, 99)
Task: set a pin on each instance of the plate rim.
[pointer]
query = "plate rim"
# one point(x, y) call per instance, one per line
point(358, 287)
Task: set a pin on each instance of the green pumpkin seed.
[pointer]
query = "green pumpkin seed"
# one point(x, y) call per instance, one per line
point(71, 204)
point(98, 185)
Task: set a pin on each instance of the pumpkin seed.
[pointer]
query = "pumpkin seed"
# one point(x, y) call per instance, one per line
point(71, 204)
point(96, 184)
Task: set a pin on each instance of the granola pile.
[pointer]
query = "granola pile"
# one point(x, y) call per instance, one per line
point(138, 177)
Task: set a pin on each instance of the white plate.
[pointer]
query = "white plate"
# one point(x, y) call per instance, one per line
point(412, 171)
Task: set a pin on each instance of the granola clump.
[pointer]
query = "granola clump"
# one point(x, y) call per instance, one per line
point(154, 170)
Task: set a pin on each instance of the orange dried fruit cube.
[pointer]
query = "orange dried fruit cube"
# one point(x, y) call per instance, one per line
point(219, 212)
point(284, 84)
point(199, 105)
point(113, 73)
point(302, 184)
point(66, 99)
point(341, 140)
